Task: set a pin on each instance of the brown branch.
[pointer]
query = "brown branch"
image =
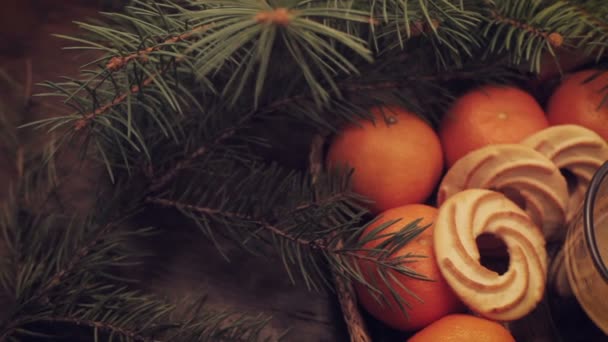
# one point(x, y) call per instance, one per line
point(283, 16)
point(182, 164)
point(279, 16)
point(60, 275)
point(84, 121)
point(357, 329)
point(554, 38)
point(345, 291)
point(56, 279)
point(161, 181)
point(314, 244)
point(117, 63)
point(319, 244)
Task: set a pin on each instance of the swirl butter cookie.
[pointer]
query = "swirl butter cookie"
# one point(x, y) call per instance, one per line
point(573, 148)
point(502, 297)
point(523, 174)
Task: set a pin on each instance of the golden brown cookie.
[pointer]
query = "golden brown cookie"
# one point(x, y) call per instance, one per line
point(576, 149)
point(502, 297)
point(523, 174)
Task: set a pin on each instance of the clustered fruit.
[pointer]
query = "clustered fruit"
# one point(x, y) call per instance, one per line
point(499, 165)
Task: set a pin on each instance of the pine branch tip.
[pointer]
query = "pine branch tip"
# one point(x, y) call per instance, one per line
point(555, 39)
point(279, 16)
point(117, 63)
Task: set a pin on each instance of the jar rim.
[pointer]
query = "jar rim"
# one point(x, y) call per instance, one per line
point(589, 204)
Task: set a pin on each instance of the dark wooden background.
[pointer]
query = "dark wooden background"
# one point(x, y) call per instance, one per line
point(187, 265)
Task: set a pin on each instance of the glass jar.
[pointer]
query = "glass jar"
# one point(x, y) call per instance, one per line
point(580, 268)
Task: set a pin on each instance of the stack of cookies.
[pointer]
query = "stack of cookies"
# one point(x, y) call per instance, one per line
point(524, 194)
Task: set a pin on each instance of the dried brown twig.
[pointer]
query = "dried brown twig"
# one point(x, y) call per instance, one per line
point(357, 328)
point(118, 62)
point(554, 38)
point(278, 16)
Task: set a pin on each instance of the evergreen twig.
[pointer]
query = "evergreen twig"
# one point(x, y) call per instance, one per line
point(313, 244)
point(305, 228)
point(179, 82)
point(119, 62)
point(71, 276)
point(357, 329)
point(594, 38)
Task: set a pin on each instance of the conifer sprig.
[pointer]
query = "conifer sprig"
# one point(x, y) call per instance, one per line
point(154, 56)
point(181, 89)
point(526, 30)
point(311, 228)
point(593, 13)
point(69, 275)
point(71, 272)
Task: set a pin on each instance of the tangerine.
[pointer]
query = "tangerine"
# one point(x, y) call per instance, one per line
point(487, 115)
point(578, 102)
point(396, 159)
point(433, 298)
point(463, 328)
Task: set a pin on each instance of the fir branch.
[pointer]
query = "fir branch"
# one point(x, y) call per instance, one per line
point(313, 244)
point(244, 29)
point(63, 275)
point(119, 62)
point(357, 328)
point(526, 30)
point(179, 165)
point(324, 244)
point(304, 39)
point(450, 29)
point(361, 90)
point(60, 275)
point(303, 224)
point(554, 38)
point(347, 298)
point(594, 37)
point(116, 97)
point(88, 117)
point(360, 93)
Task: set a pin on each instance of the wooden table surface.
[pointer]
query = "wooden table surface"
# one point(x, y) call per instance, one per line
point(187, 264)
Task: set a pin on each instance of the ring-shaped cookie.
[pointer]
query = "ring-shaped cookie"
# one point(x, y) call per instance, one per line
point(523, 174)
point(502, 297)
point(576, 149)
